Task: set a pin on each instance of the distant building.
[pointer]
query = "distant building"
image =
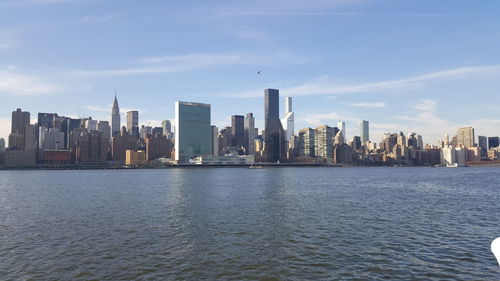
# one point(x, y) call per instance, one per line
point(20, 119)
point(167, 127)
point(250, 134)
point(2, 144)
point(50, 139)
point(135, 157)
point(69, 126)
point(121, 143)
point(341, 127)
point(157, 131)
point(364, 131)
point(493, 142)
point(157, 146)
point(225, 139)
point(145, 131)
point(482, 143)
point(193, 136)
point(104, 128)
point(115, 118)
point(215, 140)
point(46, 119)
point(274, 135)
point(323, 140)
point(88, 147)
point(305, 145)
point(465, 137)
point(238, 131)
point(91, 125)
point(133, 123)
point(288, 121)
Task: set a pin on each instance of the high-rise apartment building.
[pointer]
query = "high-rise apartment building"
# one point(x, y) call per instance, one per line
point(288, 120)
point(91, 125)
point(323, 141)
point(20, 119)
point(157, 146)
point(193, 136)
point(250, 134)
point(46, 119)
point(274, 136)
point(105, 130)
point(115, 118)
point(364, 131)
point(121, 143)
point(238, 131)
point(133, 123)
point(465, 137)
point(305, 143)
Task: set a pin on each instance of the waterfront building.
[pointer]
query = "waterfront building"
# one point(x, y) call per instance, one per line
point(115, 118)
point(323, 141)
point(305, 143)
point(215, 140)
point(420, 142)
point(157, 146)
point(473, 153)
point(133, 123)
point(250, 134)
point(69, 126)
point(135, 157)
point(121, 143)
point(482, 142)
point(465, 137)
point(238, 131)
point(2, 144)
point(364, 131)
point(493, 142)
point(274, 136)
point(17, 157)
point(88, 147)
point(288, 120)
point(193, 136)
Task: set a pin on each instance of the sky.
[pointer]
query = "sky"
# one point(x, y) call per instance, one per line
point(421, 66)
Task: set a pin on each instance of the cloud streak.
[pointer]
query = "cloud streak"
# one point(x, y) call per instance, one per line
point(16, 84)
point(182, 63)
point(322, 87)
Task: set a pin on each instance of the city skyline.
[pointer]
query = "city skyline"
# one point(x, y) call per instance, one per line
point(337, 59)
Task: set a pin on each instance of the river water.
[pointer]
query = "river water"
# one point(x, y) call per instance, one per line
point(250, 224)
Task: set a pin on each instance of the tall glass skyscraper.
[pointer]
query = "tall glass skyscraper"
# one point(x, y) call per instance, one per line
point(193, 133)
point(274, 142)
point(133, 123)
point(364, 131)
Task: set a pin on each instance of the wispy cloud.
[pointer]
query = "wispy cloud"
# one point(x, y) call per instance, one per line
point(316, 119)
point(181, 63)
point(367, 104)
point(324, 87)
point(18, 84)
point(6, 45)
point(426, 105)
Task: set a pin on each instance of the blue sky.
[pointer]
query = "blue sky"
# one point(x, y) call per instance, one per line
point(425, 66)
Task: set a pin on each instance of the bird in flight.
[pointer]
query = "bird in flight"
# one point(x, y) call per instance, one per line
point(258, 72)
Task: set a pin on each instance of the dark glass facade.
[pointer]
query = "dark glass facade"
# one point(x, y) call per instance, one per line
point(274, 140)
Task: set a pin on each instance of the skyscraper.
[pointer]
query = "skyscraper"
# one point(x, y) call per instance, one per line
point(215, 140)
point(238, 131)
point(274, 140)
point(364, 131)
point(482, 143)
point(115, 118)
point(133, 123)
point(20, 119)
point(250, 134)
point(341, 126)
point(493, 142)
point(465, 137)
point(323, 141)
point(193, 136)
point(167, 127)
point(288, 120)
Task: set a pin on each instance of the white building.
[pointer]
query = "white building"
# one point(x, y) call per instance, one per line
point(364, 131)
point(341, 127)
point(288, 121)
point(91, 125)
point(215, 141)
point(250, 133)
